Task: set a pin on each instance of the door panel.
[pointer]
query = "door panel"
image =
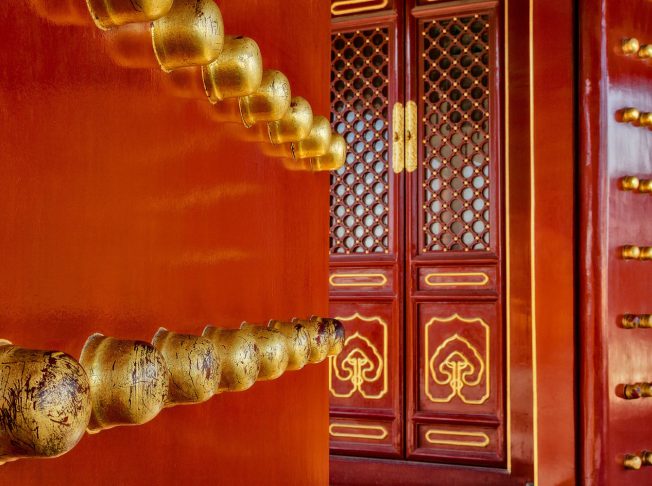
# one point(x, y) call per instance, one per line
point(366, 247)
point(455, 354)
point(459, 382)
point(364, 380)
point(464, 330)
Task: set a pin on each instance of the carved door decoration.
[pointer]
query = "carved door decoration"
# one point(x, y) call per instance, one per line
point(416, 232)
point(457, 360)
point(361, 368)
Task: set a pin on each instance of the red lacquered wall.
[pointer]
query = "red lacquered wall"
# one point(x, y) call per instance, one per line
point(124, 207)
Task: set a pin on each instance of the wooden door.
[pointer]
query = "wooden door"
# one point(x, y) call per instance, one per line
point(125, 207)
point(366, 243)
point(465, 350)
point(616, 169)
point(455, 332)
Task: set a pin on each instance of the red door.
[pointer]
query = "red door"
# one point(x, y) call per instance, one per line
point(367, 244)
point(124, 206)
point(426, 385)
point(616, 242)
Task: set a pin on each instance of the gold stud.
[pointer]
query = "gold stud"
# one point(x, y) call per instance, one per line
point(645, 52)
point(194, 366)
point(646, 253)
point(269, 102)
point(298, 343)
point(629, 183)
point(645, 321)
point(46, 404)
point(629, 115)
point(630, 252)
point(632, 392)
point(191, 34)
point(646, 458)
point(334, 159)
point(319, 339)
point(630, 46)
point(273, 347)
point(317, 143)
point(295, 124)
point(239, 355)
point(238, 71)
point(630, 321)
point(645, 119)
point(645, 186)
point(112, 13)
point(630, 461)
point(118, 370)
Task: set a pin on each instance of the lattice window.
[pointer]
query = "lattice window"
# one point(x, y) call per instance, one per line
point(359, 112)
point(455, 106)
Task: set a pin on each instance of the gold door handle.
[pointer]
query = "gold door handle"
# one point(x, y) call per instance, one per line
point(411, 127)
point(398, 145)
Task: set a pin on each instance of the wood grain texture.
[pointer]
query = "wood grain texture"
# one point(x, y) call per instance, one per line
point(125, 208)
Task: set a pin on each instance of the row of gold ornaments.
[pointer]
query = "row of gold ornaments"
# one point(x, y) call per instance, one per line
point(48, 399)
point(187, 33)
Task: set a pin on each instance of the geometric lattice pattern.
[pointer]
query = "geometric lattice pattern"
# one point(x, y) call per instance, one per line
point(359, 216)
point(454, 99)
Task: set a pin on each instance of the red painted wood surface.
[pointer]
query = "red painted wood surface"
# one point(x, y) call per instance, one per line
point(610, 218)
point(124, 208)
point(555, 237)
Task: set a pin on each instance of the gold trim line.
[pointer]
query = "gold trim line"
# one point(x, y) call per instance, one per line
point(379, 428)
point(484, 279)
point(484, 442)
point(380, 283)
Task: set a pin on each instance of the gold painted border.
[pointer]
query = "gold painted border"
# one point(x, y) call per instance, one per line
point(487, 358)
point(484, 443)
point(383, 279)
point(484, 279)
point(535, 391)
point(335, 10)
point(331, 359)
point(383, 431)
point(508, 268)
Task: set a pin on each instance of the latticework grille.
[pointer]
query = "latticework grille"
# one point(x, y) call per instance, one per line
point(359, 112)
point(454, 71)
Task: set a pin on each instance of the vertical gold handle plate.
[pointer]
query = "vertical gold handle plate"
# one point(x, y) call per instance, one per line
point(398, 144)
point(411, 127)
